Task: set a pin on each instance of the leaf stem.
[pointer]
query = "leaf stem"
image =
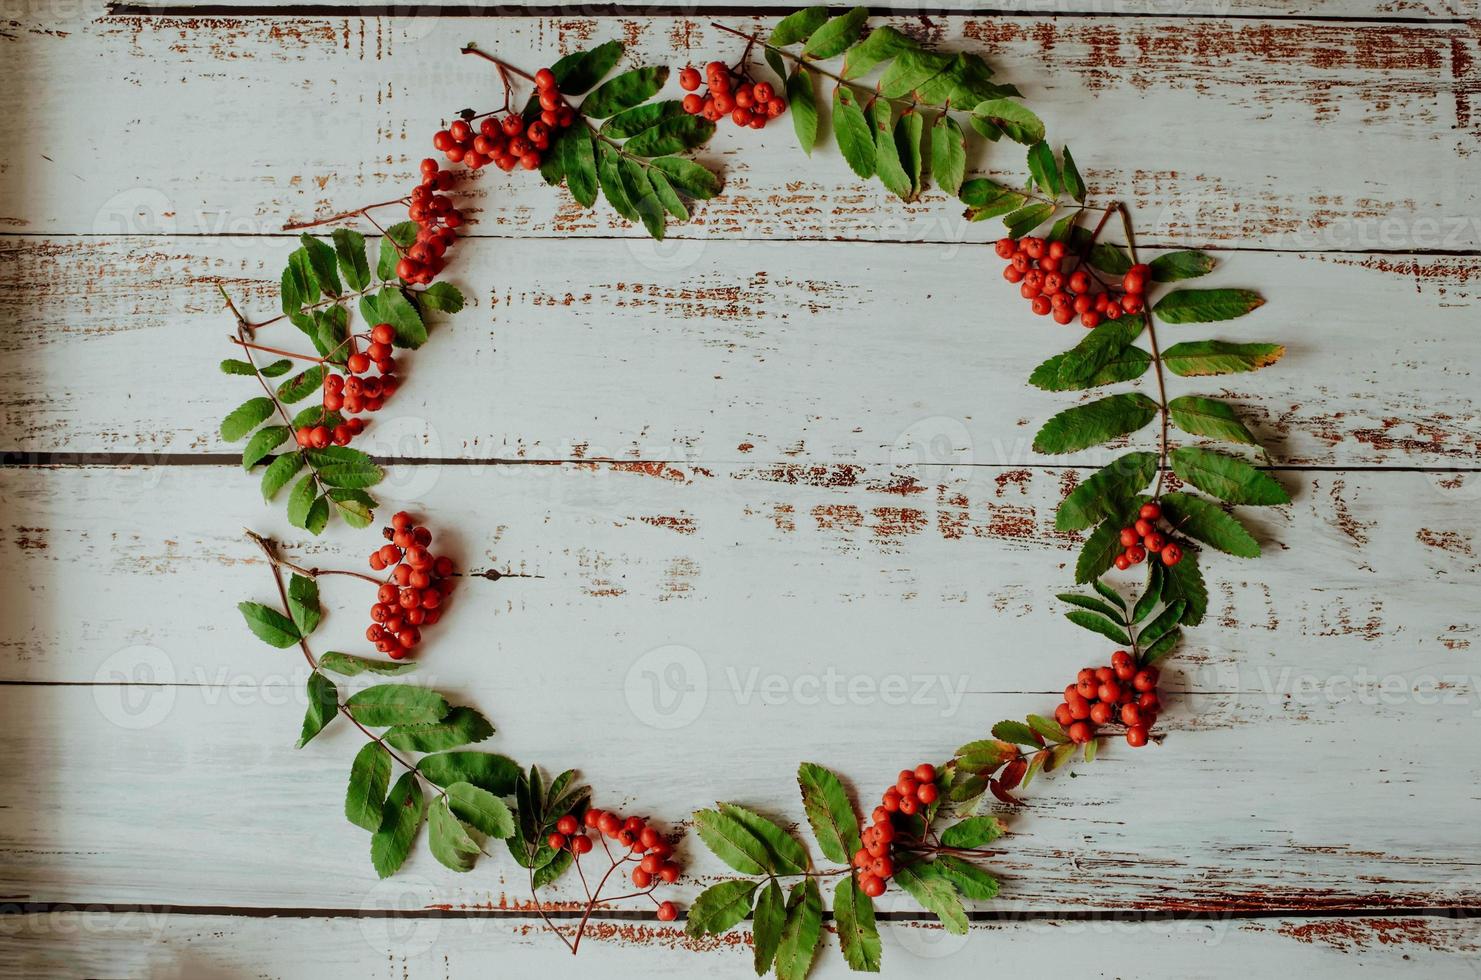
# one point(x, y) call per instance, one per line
point(276, 350)
point(343, 215)
point(1146, 315)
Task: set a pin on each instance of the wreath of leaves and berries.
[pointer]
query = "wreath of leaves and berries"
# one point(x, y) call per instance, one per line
point(901, 112)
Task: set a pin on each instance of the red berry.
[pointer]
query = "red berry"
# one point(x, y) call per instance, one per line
point(925, 773)
point(544, 78)
point(1136, 737)
point(567, 824)
point(689, 78)
point(764, 92)
point(1171, 555)
point(1135, 280)
point(669, 872)
point(1129, 537)
point(1063, 716)
point(667, 912)
point(1136, 554)
point(1080, 732)
point(1131, 715)
point(1005, 248)
point(909, 805)
point(891, 799)
point(1150, 512)
point(927, 794)
point(693, 104)
point(581, 844)
point(871, 884)
point(1090, 320)
point(557, 842)
point(1109, 691)
point(1101, 713)
point(641, 878)
point(1145, 679)
point(593, 818)
point(1122, 562)
point(609, 824)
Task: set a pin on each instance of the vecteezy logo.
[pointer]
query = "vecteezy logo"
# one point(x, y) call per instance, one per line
point(385, 924)
point(667, 687)
point(134, 688)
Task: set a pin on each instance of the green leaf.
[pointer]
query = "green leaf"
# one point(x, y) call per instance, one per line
point(267, 438)
point(609, 174)
point(858, 934)
point(720, 906)
point(301, 385)
point(834, 822)
point(633, 121)
point(1199, 358)
point(441, 296)
point(301, 501)
point(985, 754)
point(233, 366)
point(303, 603)
point(852, 131)
point(666, 194)
point(1043, 169)
point(887, 164)
point(290, 292)
point(270, 626)
point(975, 831)
point(349, 247)
point(403, 233)
point(461, 726)
point(497, 774)
point(348, 666)
point(969, 880)
point(553, 869)
point(402, 316)
point(279, 472)
point(1026, 219)
point(1105, 492)
point(1014, 731)
point(671, 136)
point(1074, 185)
point(481, 809)
point(449, 840)
point(912, 70)
point(1185, 581)
point(318, 516)
point(908, 132)
point(1130, 363)
point(1097, 348)
point(1094, 605)
point(1098, 624)
point(323, 706)
point(1095, 423)
point(766, 926)
point(777, 64)
point(927, 885)
point(1209, 523)
point(340, 466)
point(1174, 266)
point(1047, 728)
point(355, 506)
point(1110, 259)
point(882, 44)
point(246, 417)
point(986, 199)
point(836, 36)
point(798, 26)
point(1206, 305)
point(1231, 480)
point(688, 177)
point(1099, 553)
point(801, 932)
point(625, 91)
point(579, 71)
point(948, 154)
point(1166, 620)
point(1161, 648)
point(644, 201)
point(1209, 417)
point(395, 704)
point(370, 774)
point(401, 817)
point(787, 855)
point(323, 261)
point(305, 283)
point(732, 842)
point(803, 104)
point(1151, 595)
point(1021, 125)
point(1109, 593)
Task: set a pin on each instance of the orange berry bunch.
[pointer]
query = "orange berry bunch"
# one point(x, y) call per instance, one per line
point(1121, 692)
point(1143, 539)
point(1039, 268)
point(747, 103)
point(436, 218)
point(412, 597)
point(914, 790)
point(506, 139)
point(352, 394)
point(639, 842)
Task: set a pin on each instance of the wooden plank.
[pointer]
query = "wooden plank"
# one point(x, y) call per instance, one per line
point(865, 354)
point(864, 564)
point(137, 944)
point(1315, 102)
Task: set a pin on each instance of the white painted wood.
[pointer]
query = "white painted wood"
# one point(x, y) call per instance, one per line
point(195, 947)
point(957, 579)
point(860, 353)
point(1150, 104)
point(1300, 726)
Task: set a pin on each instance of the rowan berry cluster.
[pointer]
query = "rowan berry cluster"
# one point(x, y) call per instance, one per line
point(505, 138)
point(638, 841)
point(1143, 539)
point(1039, 267)
point(1121, 692)
point(914, 790)
point(747, 103)
point(436, 218)
point(412, 597)
point(351, 394)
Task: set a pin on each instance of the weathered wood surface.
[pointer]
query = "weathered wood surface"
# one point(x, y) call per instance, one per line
point(806, 440)
point(1351, 134)
point(727, 351)
point(151, 945)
